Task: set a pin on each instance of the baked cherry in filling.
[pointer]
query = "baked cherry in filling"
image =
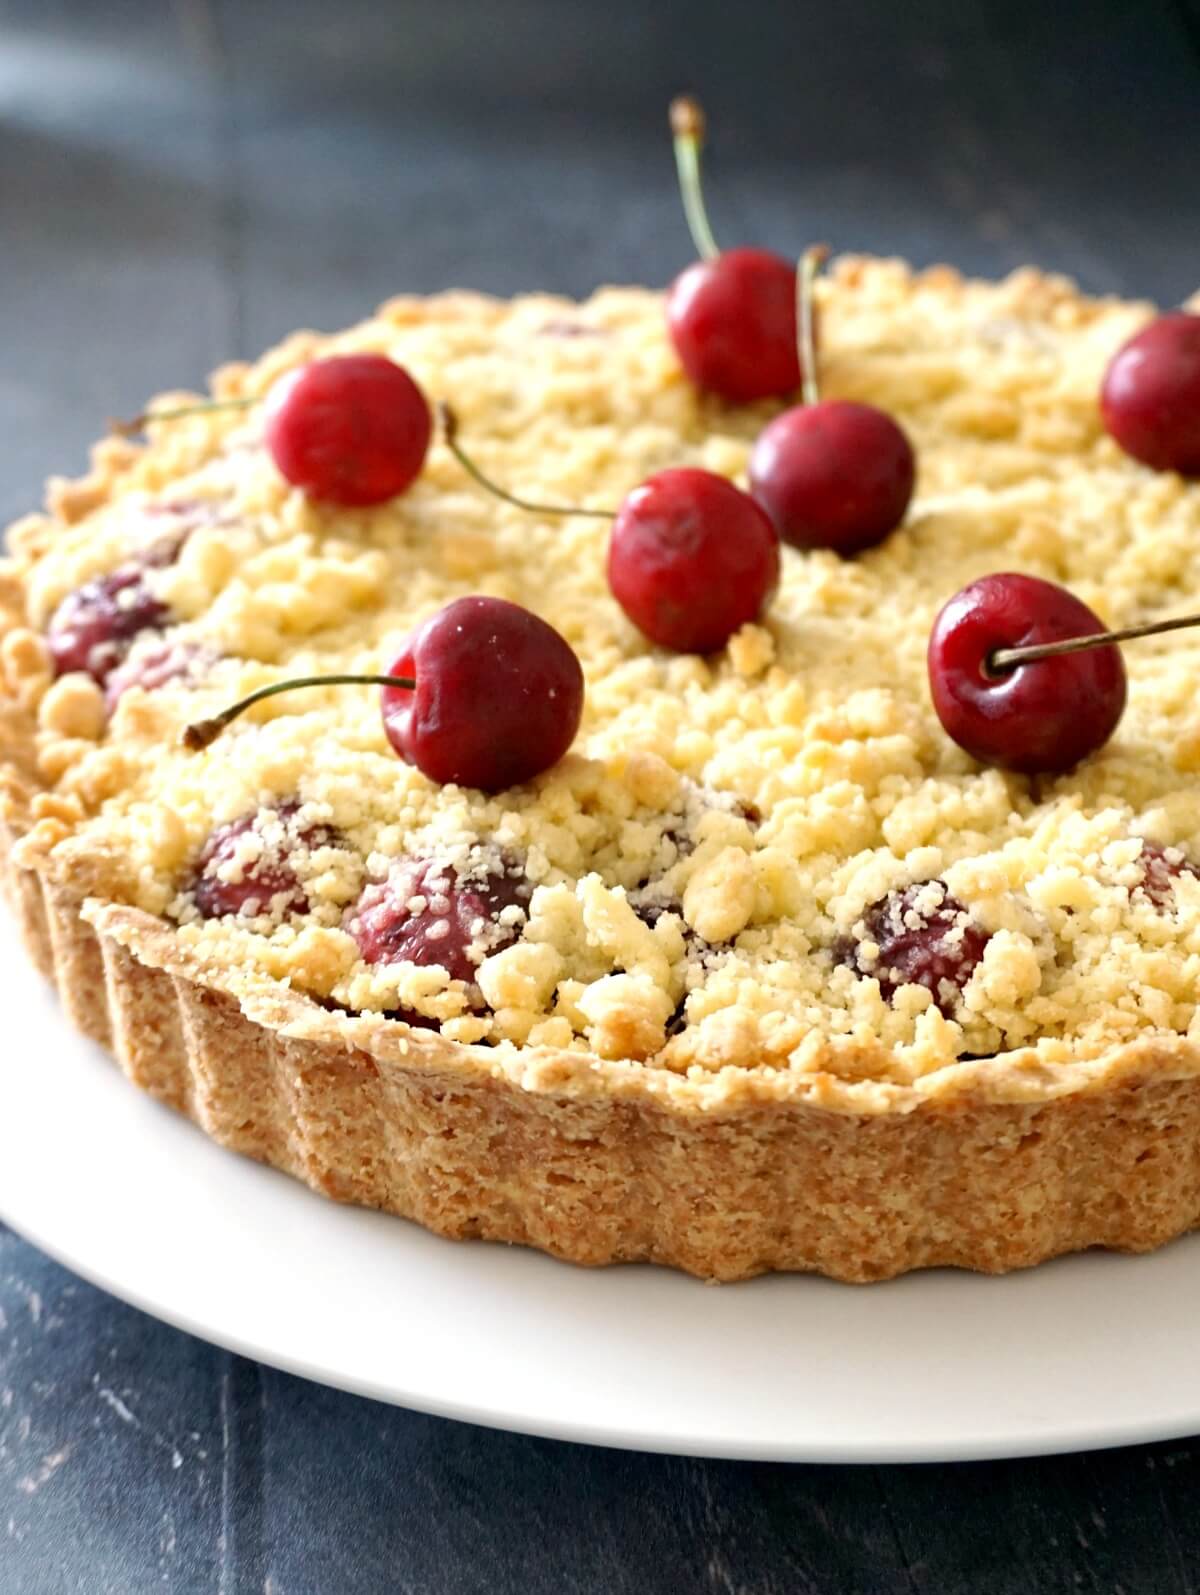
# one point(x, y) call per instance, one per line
point(93, 627)
point(564, 327)
point(1161, 868)
point(427, 912)
point(246, 866)
point(924, 936)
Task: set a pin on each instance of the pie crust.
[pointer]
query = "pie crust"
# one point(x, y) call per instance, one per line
point(846, 1166)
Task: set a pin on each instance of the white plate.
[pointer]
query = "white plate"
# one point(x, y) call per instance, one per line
point(1088, 1351)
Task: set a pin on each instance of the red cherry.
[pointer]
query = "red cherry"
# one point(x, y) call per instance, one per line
point(498, 696)
point(1036, 717)
point(833, 475)
point(93, 627)
point(352, 429)
point(731, 316)
point(925, 937)
point(433, 913)
point(266, 882)
point(1161, 868)
point(732, 320)
point(1150, 397)
point(691, 558)
point(482, 694)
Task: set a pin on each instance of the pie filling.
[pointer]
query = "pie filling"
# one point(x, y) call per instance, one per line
point(770, 857)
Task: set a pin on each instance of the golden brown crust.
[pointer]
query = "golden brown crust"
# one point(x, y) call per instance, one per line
point(841, 1166)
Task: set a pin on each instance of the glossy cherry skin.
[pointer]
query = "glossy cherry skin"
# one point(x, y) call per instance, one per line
point(352, 429)
point(424, 913)
point(930, 943)
point(1039, 718)
point(263, 884)
point(498, 699)
point(1150, 397)
point(732, 320)
point(835, 475)
point(691, 558)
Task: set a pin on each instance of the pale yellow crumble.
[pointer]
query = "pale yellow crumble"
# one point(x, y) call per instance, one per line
point(722, 822)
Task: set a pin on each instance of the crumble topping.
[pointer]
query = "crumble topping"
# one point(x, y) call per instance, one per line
point(715, 874)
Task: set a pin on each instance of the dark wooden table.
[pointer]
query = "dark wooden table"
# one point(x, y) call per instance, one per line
point(181, 183)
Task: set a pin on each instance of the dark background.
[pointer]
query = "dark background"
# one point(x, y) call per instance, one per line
point(184, 182)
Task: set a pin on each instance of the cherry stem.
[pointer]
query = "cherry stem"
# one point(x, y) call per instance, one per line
point(139, 423)
point(201, 732)
point(449, 425)
point(810, 265)
point(1004, 659)
point(687, 129)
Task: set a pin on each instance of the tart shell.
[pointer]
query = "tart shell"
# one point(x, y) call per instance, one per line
point(597, 1163)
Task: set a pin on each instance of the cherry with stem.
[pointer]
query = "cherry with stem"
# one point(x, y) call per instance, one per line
point(691, 558)
point(732, 314)
point(831, 473)
point(482, 694)
point(349, 429)
point(1025, 676)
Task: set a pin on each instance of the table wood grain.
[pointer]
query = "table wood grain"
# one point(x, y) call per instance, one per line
point(182, 183)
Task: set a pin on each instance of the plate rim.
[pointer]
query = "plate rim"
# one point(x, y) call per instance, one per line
point(1106, 1437)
